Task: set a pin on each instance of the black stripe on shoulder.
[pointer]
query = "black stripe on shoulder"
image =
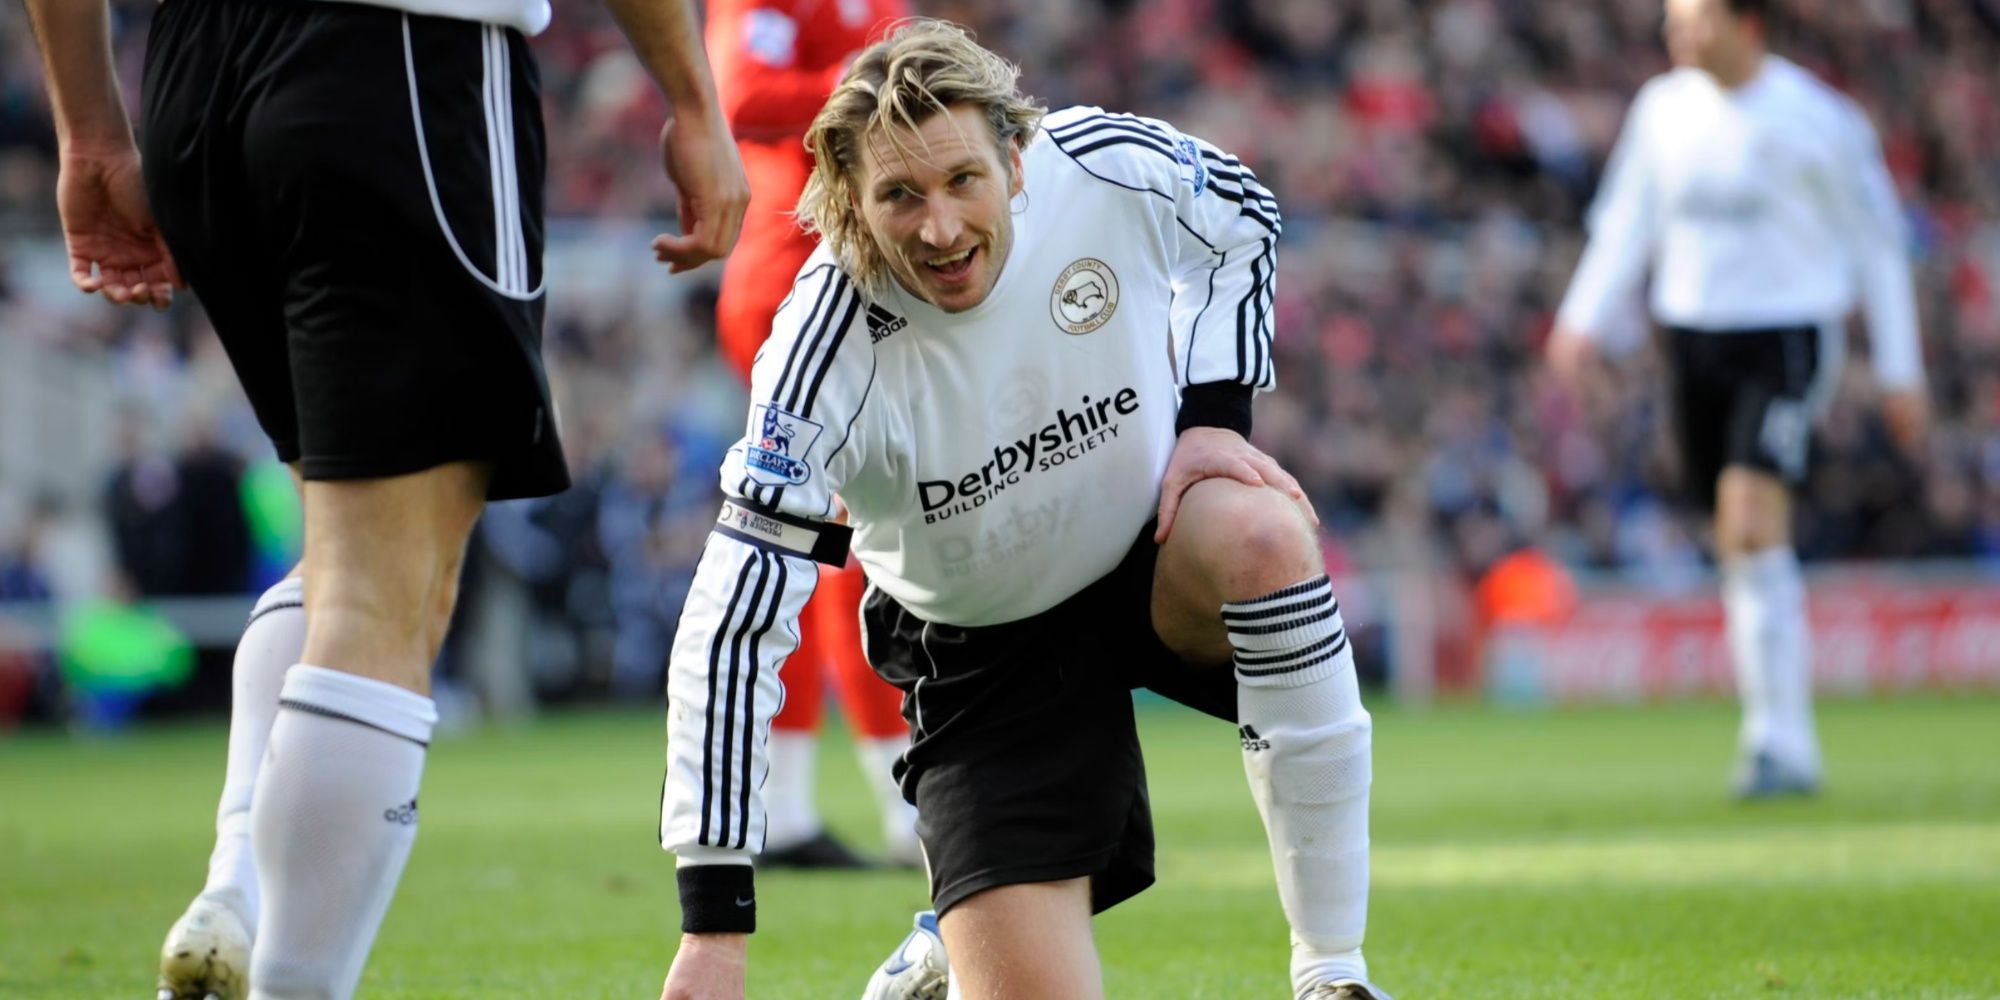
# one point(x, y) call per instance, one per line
point(831, 284)
point(826, 360)
point(1131, 122)
point(1099, 126)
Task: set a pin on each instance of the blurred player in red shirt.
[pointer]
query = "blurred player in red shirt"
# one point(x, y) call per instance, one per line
point(775, 63)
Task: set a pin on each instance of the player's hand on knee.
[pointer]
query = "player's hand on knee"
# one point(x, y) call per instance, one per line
point(701, 158)
point(114, 247)
point(708, 967)
point(1218, 453)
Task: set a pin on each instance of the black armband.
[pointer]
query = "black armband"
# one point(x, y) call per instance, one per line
point(1216, 404)
point(786, 534)
point(717, 899)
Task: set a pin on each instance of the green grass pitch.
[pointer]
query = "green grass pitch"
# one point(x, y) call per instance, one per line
point(1566, 854)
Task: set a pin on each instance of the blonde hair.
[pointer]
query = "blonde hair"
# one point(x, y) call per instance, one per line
point(923, 67)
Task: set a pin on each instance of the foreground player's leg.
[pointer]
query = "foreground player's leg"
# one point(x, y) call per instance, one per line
point(1306, 749)
point(207, 952)
point(335, 808)
point(1764, 606)
point(1025, 940)
point(1252, 553)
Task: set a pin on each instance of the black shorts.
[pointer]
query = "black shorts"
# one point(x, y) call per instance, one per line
point(376, 282)
point(1748, 397)
point(1024, 763)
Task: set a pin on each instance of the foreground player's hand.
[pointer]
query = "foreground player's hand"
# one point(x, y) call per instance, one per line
point(701, 158)
point(708, 967)
point(1218, 453)
point(1908, 414)
point(1570, 354)
point(114, 247)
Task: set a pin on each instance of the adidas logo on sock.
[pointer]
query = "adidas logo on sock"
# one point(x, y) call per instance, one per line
point(1252, 741)
point(404, 814)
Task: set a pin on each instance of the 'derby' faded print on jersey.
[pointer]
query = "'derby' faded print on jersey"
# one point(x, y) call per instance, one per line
point(776, 455)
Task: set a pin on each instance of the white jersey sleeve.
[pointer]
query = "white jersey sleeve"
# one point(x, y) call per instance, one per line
point(739, 624)
point(1222, 227)
point(1623, 226)
point(1865, 202)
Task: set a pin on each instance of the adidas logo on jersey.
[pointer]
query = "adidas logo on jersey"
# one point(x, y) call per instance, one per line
point(1251, 741)
point(882, 323)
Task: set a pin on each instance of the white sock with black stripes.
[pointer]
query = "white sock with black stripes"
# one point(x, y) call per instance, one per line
point(333, 818)
point(271, 643)
point(1306, 752)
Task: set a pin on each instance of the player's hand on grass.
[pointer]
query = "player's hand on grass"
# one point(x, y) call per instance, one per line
point(1219, 453)
point(1908, 414)
point(114, 247)
point(701, 158)
point(708, 967)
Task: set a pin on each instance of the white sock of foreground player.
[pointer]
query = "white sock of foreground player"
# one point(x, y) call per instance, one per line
point(1764, 603)
point(270, 645)
point(334, 816)
point(1306, 751)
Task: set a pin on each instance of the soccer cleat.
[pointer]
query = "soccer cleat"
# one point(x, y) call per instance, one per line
point(1762, 776)
point(821, 850)
point(206, 955)
point(916, 970)
point(1345, 989)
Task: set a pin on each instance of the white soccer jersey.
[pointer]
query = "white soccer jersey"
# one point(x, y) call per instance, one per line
point(1767, 205)
point(993, 462)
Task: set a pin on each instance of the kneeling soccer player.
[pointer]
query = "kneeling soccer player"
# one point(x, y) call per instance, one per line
point(1023, 357)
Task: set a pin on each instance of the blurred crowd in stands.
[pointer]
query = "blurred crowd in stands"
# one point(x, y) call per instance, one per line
point(1434, 160)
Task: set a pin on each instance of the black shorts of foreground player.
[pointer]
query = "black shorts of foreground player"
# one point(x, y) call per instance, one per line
point(999, 286)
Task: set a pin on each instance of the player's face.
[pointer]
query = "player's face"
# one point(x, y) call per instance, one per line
point(935, 199)
point(1700, 33)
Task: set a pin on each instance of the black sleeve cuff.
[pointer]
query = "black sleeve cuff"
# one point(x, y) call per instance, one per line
point(1216, 404)
point(717, 899)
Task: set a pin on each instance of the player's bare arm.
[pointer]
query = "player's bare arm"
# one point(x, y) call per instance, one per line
point(695, 145)
point(114, 247)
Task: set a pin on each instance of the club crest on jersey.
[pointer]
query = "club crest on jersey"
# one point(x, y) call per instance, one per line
point(777, 451)
point(1189, 156)
point(1084, 297)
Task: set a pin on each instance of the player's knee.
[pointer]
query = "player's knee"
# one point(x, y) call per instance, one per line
point(1251, 538)
point(1752, 512)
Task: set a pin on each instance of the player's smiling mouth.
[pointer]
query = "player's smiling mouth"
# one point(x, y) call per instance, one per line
point(953, 265)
